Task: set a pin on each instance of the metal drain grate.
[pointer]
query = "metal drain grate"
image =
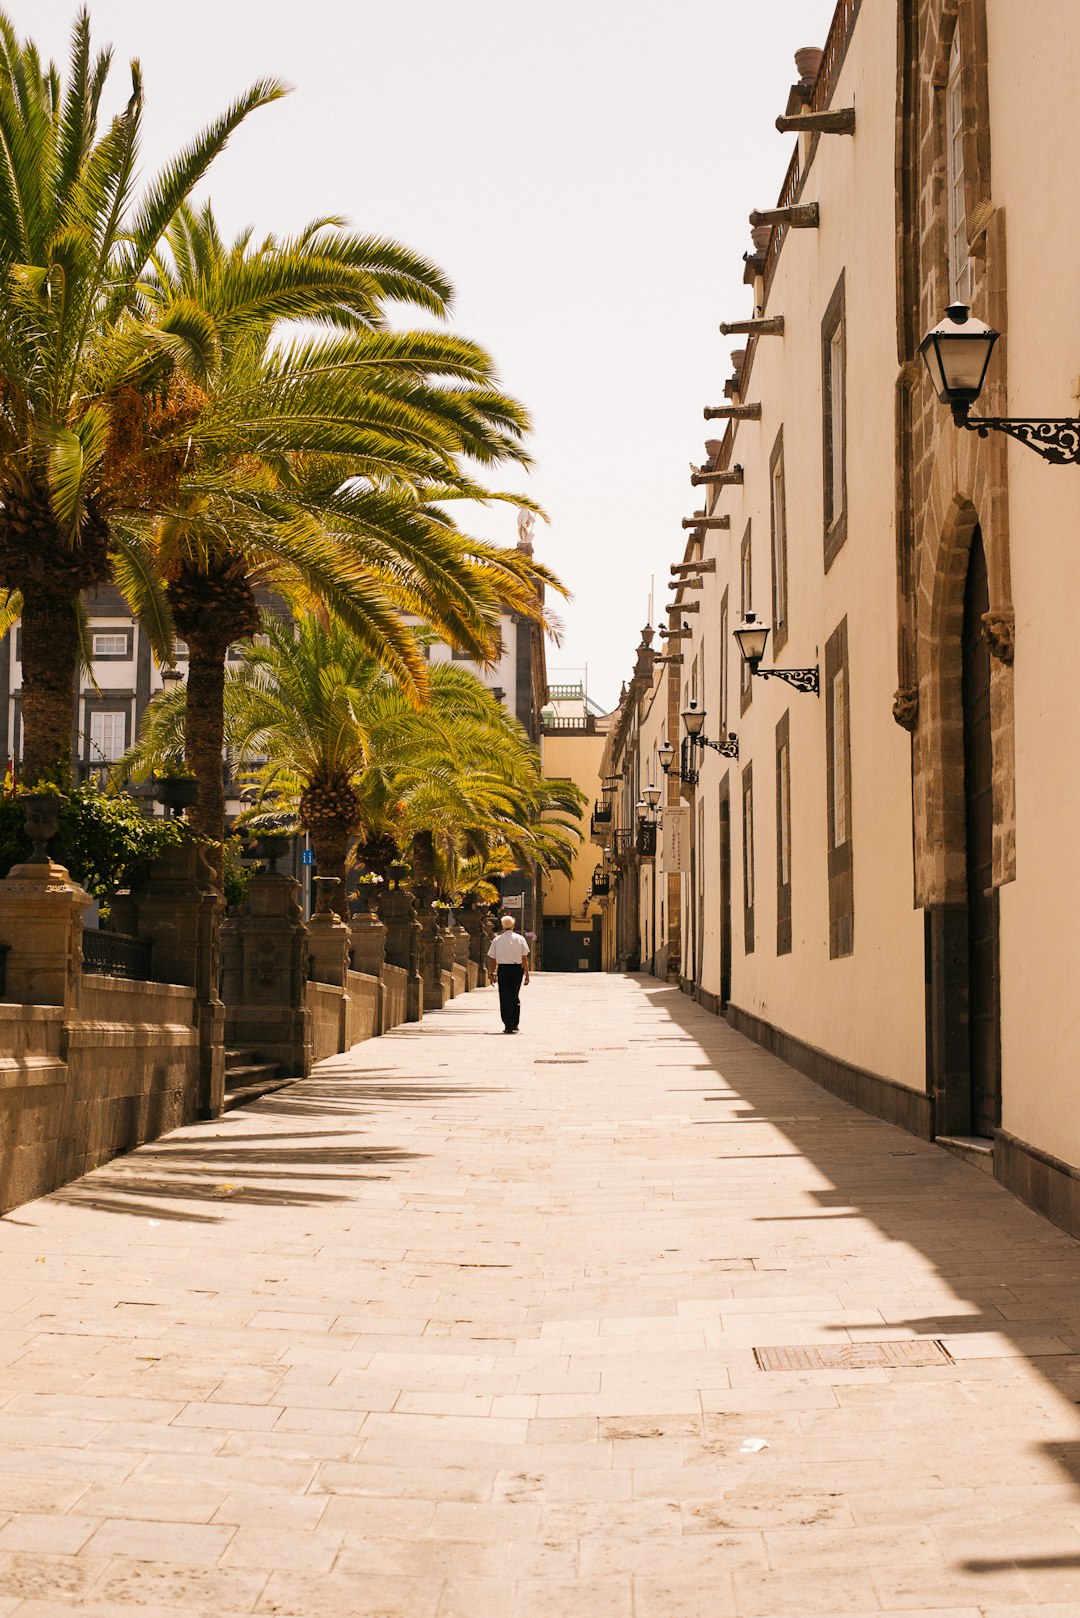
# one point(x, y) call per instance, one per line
point(853, 1356)
point(559, 1061)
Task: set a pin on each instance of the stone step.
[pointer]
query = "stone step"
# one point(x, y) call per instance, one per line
point(974, 1149)
point(240, 1095)
point(238, 1056)
point(250, 1073)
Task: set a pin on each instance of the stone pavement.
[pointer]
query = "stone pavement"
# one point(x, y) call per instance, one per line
point(466, 1326)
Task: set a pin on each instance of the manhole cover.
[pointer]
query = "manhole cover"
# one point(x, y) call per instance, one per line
point(853, 1356)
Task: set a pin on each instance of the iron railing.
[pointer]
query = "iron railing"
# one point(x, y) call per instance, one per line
point(115, 955)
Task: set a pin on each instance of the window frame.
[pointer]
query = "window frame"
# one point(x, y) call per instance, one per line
point(783, 835)
point(748, 873)
point(778, 543)
point(724, 692)
point(840, 855)
point(128, 634)
point(834, 422)
point(960, 276)
point(746, 599)
point(113, 703)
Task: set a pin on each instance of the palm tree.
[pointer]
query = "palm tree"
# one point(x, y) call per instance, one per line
point(83, 373)
point(343, 753)
point(321, 470)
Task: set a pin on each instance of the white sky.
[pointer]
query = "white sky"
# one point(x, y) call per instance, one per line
point(582, 170)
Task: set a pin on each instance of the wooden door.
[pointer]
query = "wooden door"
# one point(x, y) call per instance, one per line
point(982, 912)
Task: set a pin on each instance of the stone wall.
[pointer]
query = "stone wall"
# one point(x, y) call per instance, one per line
point(362, 1008)
point(325, 1004)
point(395, 996)
point(91, 1066)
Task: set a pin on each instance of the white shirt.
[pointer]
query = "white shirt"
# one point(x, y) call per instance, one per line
point(508, 949)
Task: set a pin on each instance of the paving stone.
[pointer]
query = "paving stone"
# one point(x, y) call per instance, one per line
point(514, 1374)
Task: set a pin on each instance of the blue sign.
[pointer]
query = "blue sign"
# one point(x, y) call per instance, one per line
point(307, 857)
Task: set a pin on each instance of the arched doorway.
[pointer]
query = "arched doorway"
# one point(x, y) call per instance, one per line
point(984, 1061)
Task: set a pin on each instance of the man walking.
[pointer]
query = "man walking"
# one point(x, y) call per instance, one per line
point(508, 961)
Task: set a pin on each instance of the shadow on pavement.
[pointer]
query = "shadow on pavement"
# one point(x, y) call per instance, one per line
point(987, 1246)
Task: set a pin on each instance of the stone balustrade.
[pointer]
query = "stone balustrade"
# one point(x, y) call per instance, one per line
point(93, 1065)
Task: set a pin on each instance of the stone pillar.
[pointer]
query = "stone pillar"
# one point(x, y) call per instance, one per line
point(265, 980)
point(41, 911)
point(180, 910)
point(473, 923)
point(403, 947)
point(328, 949)
point(461, 945)
point(367, 943)
point(431, 968)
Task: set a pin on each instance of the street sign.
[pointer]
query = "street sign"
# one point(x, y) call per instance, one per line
point(308, 857)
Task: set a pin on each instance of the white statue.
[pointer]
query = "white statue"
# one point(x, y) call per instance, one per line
point(526, 524)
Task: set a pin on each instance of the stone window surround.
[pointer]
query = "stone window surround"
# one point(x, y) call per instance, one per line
point(126, 630)
point(834, 512)
point(840, 855)
point(724, 654)
point(749, 890)
point(108, 702)
point(783, 835)
point(778, 535)
point(746, 603)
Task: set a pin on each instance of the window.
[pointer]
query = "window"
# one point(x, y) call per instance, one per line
point(960, 276)
point(112, 645)
point(778, 527)
point(181, 651)
point(838, 782)
point(834, 422)
point(108, 735)
point(748, 858)
point(746, 601)
point(724, 653)
point(783, 838)
point(838, 759)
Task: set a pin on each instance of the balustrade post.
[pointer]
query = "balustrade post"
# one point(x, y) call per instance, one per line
point(403, 947)
point(265, 948)
point(180, 910)
point(41, 911)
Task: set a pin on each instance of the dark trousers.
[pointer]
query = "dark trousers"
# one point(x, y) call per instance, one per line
point(510, 994)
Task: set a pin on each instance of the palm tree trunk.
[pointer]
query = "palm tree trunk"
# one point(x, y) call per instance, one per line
point(204, 737)
point(50, 658)
point(423, 866)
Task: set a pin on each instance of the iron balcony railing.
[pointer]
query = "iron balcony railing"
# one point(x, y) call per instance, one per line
point(116, 955)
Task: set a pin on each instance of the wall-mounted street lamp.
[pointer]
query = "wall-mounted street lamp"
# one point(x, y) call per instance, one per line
point(666, 754)
point(646, 815)
point(957, 354)
point(694, 720)
point(751, 637)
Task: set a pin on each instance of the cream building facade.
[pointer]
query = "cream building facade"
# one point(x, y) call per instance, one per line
point(883, 885)
point(573, 738)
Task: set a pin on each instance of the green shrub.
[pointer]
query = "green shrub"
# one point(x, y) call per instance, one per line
point(106, 841)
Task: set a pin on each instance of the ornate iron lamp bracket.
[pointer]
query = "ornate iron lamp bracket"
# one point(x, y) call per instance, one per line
point(728, 749)
point(801, 679)
point(1055, 438)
